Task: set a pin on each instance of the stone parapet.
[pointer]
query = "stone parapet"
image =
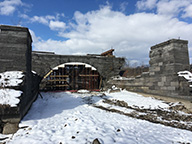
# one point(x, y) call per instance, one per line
point(166, 60)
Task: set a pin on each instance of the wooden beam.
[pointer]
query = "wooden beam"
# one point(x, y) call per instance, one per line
point(89, 75)
point(61, 85)
point(59, 75)
point(47, 74)
point(57, 80)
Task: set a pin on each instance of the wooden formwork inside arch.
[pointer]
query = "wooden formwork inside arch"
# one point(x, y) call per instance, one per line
point(72, 77)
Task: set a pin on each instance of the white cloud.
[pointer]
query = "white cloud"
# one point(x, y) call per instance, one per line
point(171, 8)
point(123, 6)
point(24, 16)
point(146, 4)
point(69, 47)
point(130, 35)
point(8, 7)
point(57, 25)
point(188, 11)
point(34, 37)
point(49, 20)
point(42, 19)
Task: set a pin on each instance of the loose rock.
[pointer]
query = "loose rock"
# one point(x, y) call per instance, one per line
point(96, 141)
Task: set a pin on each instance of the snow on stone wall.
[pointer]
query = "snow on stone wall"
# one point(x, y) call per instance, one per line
point(9, 96)
point(11, 78)
point(187, 75)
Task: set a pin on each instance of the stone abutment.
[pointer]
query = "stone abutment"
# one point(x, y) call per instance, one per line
point(166, 60)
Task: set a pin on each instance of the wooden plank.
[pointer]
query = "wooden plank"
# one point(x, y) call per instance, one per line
point(61, 85)
point(89, 75)
point(100, 83)
point(47, 74)
point(59, 75)
point(54, 86)
point(57, 80)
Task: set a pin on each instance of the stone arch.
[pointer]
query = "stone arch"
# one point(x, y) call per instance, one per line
point(43, 62)
point(72, 76)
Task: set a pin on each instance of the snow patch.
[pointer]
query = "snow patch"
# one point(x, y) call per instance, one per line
point(83, 91)
point(114, 87)
point(11, 78)
point(9, 97)
point(187, 75)
point(33, 72)
point(134, 99)
point(122, 78)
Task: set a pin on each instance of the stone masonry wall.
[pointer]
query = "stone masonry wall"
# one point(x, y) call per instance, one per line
point(14, 51)
point(166, 59)
point(43, 62)
point(15, 55)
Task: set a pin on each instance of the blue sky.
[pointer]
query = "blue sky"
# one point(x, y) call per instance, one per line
point(93, 26)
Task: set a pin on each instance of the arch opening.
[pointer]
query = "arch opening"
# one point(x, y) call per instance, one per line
point(72, 76)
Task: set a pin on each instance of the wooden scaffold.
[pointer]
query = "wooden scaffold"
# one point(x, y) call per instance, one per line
point(72, 76)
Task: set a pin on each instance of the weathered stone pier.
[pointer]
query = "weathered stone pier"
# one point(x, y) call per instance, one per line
point(166, 60)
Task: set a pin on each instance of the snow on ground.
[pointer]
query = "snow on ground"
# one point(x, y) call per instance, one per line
point(69, 118)
point(134, 99)
point(10, 79)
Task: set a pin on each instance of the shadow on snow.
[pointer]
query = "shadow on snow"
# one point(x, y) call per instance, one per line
point(54, 103)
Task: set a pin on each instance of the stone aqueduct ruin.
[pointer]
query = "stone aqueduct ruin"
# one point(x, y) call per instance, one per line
point(106, 67)
point(16, 55)
point(166, 59)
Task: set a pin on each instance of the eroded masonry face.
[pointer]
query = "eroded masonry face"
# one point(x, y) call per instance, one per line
point(72, 76)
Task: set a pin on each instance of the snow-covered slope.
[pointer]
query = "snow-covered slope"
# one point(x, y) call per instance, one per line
point(70, 118)
point(133, 99)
